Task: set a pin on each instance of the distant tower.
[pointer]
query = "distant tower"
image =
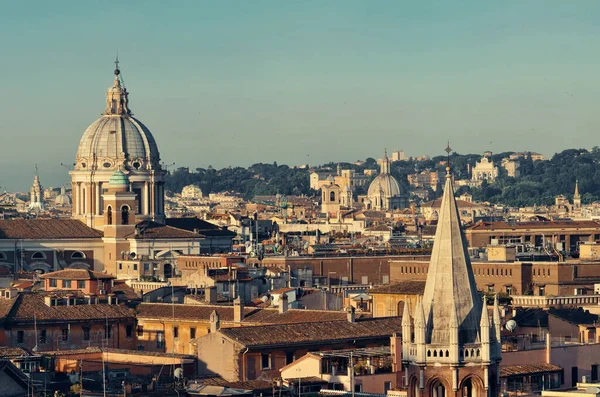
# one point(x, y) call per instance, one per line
point(456, 346)
point(576, 197)
point(346, 197)
point(330, 202)
point(36, 192)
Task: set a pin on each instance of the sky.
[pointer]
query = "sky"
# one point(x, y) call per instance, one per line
point(238, 82)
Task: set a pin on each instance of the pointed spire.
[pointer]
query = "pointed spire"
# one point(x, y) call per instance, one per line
point(576, 195)
point(497, 320)
point(485, 316)
point(406, 314)
point(385, 163)
point(450, 280)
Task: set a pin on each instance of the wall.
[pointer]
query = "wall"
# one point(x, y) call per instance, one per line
point(215, 345)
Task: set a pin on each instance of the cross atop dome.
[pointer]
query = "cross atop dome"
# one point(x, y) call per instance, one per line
point(117, 101)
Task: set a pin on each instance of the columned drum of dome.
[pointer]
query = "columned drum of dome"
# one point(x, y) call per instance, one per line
point(384, 191)
point(117, 141)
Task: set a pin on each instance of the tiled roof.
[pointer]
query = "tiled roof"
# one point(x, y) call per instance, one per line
point(575, 316)
point(186, 312)
point(153, 230)
point(8, 352)
point(77, 274)
point(252, 315)
point(405, 287)
point(124, 291)
point(295, 316)
point(313, 333)
point(535, 225)
point(5, 307)
point(28, 304)
point(255, 384)
point(199, 225)
point(527, 369)
point(46, 229)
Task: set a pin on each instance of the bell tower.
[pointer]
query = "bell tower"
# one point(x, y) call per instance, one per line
point(119, 219)
point(455, 350)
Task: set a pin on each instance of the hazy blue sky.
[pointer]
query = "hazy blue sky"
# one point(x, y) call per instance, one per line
point(238, 82)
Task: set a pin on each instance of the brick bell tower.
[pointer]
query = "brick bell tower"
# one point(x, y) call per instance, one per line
point(119, 219)
point(451, 346)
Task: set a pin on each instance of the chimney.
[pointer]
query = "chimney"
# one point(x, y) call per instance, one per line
point(210, 295)
point(283, 303)
point(351, 314)
point(238, 310)
point(215, 322)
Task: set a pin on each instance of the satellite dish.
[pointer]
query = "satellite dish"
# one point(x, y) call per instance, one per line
point(178, 373)
point(511, 325)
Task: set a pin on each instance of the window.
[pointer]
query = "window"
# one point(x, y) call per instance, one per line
point(86, 333)
point(129, 331)
point(120, 266)
point(289, 358)
point(53, 283)
point(77, 255)
point(135, 266)
point(332, 196)
point(109, 215)
point(387, 386)
point(508, 289)
point(81, 284)
point(265, 360)
point(66, 283)
point(140, 330)
point(65, 334)
point(43, 336)
point(193, 333)
point(20, 336)
point(490, 288)
point(108, 332)
point(125, 215)
point(175, 332)
point(160, 339)
point(542, 291)
point(38, 255)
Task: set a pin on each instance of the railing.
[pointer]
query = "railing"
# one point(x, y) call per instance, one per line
point(146, 286)
point(327, 392)
point(548, 301)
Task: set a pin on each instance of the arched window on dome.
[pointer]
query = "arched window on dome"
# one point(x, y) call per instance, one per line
point(38, 255)
point(332, 196)
point(125, 215)
point(109, 215)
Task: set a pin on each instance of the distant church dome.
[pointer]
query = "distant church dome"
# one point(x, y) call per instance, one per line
point(117, 139)
point(63, 198)
point(384, 191)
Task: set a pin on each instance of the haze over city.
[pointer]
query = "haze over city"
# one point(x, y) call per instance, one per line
point(234, 83)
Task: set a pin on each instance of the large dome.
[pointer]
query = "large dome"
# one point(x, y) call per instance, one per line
point(384, 183)
point(113, 141)
point(117, 140)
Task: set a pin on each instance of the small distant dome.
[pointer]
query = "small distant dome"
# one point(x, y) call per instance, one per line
point(118, 178)
point(63, 198)
point(386, 184)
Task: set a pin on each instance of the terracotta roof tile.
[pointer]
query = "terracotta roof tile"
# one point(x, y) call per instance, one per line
point(295, 316)
point(186, 312)
point(405, 287)
point(153, 230)
point(314, 332)
point(527, 369)
point(77, 274)
point(28, 304)
point(46, 229)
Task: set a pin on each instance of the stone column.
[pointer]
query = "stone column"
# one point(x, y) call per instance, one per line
point(146, 199)
point(97, 198)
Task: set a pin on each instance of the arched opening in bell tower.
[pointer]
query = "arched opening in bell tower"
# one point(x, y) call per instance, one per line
point(125, 215)
point(437, 389)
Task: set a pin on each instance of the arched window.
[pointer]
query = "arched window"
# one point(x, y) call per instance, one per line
point(438, 389)
point(109, 215)
point(331, 196)
point(125, 215)
point(38, 255)
point(77, 255)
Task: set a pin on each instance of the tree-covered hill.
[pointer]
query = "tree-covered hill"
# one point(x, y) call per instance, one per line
point(539, 182)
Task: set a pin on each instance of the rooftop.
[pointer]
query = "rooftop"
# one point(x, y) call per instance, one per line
point(77, 274)
point(46, 229)
point(403, 288)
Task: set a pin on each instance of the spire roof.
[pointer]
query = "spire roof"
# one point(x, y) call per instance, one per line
point(450, 289)
point(576, 195)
